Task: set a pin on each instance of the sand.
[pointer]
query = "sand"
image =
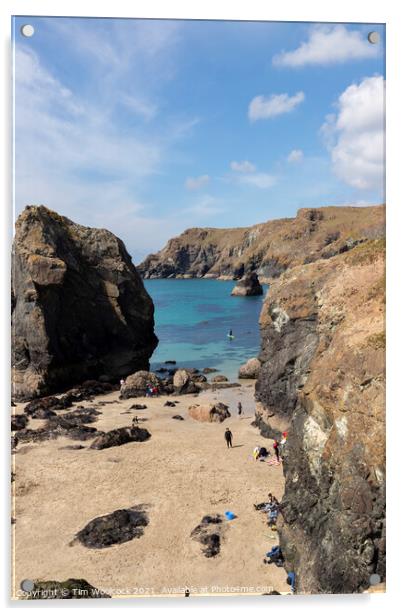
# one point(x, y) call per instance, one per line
point(182, 473)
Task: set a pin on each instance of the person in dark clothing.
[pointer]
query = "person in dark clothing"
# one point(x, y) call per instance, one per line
point(228, 437)
point(240, 408)
point(276, 449)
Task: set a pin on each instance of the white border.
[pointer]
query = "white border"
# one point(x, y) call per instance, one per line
point(388, 11)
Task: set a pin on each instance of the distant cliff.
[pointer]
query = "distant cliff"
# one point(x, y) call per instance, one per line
point(322, 378)
point(79, 307)
point(270, 248)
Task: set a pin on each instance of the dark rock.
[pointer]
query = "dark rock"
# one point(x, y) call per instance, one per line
point(171, 361)
point(169, 403)
point(138, 407)
point(73, 447)
point(80, 309)
point(120, 436)
point(179, 417)
point(49, 403)
point(199, 378)
point(249, 285)
point(209, 533)
point(70, 425)
point(18, 422)
point(118, 527)
point(219, 378)
point(209, 370)
point(69, 589)
point(42, 414)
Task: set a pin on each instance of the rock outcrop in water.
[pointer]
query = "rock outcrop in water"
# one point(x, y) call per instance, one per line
point(268, 248)
point(248, 285)
point(79, 307)
point(322, 378)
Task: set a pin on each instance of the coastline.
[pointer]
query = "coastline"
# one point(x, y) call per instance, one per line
point(181, 474)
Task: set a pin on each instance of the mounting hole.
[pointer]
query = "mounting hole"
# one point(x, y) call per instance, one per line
point(27, 30)
point(374, 579)
point(373, 38)
point(27, 585)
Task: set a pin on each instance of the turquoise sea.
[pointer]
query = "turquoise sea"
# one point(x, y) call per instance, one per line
point(193, 318)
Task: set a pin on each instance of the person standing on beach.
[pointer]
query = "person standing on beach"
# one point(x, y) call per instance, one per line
point(239, 408)
point(228, 437)
point(276, 449)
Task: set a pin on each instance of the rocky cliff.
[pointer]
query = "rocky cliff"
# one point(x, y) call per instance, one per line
point(322, 379)
point(269, 248)
point(79, 307)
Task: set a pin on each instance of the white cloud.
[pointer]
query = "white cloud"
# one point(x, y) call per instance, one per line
point(259, 180)
point(328, 45)
point(262, 107)
point(242, 167)
point(295, 156)
point(197, 183)
point(355, 134)
point(205, 206)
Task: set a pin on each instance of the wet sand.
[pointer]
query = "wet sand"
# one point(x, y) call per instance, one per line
point(183, 472)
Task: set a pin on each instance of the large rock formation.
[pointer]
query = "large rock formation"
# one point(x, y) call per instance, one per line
point(248, 285)
point(270, 248)
point(322, 378)
point(209, 412)
point(80, 309)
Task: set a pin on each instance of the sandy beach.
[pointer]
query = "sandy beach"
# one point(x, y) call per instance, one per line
point(183, 472)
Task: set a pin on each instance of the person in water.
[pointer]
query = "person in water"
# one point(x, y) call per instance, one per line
point(230, 334)
point(228, 437)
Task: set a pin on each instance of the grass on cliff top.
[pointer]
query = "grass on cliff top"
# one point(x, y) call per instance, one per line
point(366, 253)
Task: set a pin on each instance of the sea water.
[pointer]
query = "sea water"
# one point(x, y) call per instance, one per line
point(193, 318)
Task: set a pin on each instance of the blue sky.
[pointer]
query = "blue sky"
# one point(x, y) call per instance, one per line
point(150, 127)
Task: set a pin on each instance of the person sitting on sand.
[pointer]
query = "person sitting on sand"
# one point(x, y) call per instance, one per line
point(135, 421)
point(256, 452)
point(239, 408)
point(228, 437)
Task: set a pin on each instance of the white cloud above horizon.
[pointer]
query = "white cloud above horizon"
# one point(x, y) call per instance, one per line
point(258, 180)
point(206, 205)
point(355, 135)
point(328, 45)
point(261, 107)
point(295, 156)
point(242, 167)
point(197, 183)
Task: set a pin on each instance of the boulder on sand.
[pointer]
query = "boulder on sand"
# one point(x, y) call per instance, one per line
point(135, 385)
point(250, 369)
point(117, 527)
point(120, 436)
point(183, 383)
point(219, 378)
point(217, 412)
point(209, 533)
point(248, 285)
